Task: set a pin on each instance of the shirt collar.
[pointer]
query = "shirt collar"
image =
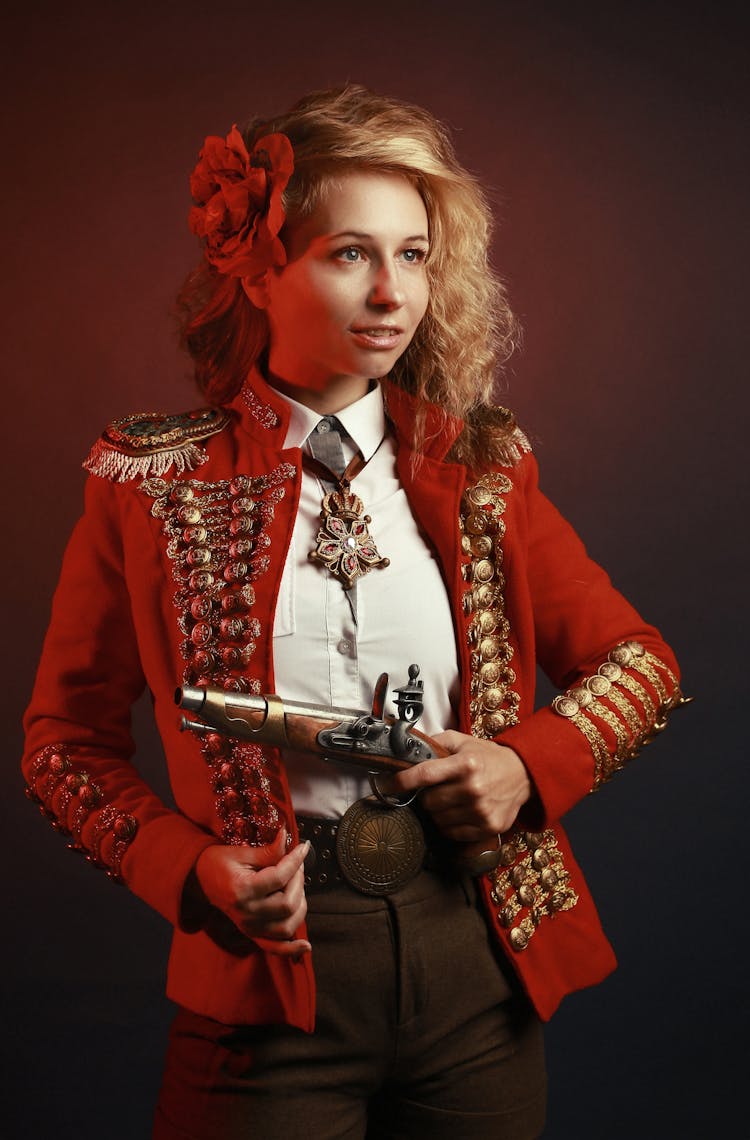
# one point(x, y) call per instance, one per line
point(364, 421)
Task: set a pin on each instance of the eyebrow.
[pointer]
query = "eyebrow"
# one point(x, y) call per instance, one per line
point(368, 237)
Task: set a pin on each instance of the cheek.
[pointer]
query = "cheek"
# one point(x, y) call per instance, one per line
point(421, 298)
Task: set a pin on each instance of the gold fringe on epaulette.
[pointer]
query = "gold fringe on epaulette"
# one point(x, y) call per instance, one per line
point(513, 448)
point(490, 437)
point(108, 463)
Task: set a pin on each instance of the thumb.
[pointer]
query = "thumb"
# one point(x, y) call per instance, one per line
point(269, 854)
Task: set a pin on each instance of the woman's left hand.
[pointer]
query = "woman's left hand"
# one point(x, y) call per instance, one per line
point(474, 793)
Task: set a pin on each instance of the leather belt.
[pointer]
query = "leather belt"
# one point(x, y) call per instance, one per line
point(375, 849)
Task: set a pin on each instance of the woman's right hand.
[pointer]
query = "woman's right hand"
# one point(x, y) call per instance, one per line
point(261, 889)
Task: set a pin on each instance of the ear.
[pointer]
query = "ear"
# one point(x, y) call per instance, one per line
point(256, 289)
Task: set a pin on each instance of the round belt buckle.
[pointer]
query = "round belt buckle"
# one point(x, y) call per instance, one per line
point(379, 848)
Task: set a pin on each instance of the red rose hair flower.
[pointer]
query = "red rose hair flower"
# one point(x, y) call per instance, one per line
point(238, 210)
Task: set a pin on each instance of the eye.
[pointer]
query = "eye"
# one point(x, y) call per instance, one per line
point(350, 253)
point(415, 255)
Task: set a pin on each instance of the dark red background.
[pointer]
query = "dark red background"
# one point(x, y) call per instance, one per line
point(612, 138)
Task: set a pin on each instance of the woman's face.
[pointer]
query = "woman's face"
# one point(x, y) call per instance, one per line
point(347, 303)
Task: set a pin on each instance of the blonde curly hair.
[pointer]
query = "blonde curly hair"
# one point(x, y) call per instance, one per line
point(468, 331)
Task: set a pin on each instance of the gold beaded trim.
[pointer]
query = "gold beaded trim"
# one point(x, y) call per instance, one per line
point(626, 711)
point(494, 702)
point(638, 691)
point(530, 884)
point(67, 796)
point(217, 541)
point(635, 726)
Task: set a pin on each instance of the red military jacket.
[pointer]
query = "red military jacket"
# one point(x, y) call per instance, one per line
point(172, 575)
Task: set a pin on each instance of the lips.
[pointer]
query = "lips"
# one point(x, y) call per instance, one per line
point(377, 337)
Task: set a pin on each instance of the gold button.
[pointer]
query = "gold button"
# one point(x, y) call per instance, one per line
point(598, 685)
point(197, 534)
point(611, 670)
point(557, 900)
point(243, 505)
point(200, 581)
point(484, 571)
point(526, 894)
point(489, 648)
point(540, 859)
point(490, 672)
point(201, 633)
point(565, 706)
point(581, 694)
point(492, 698)
point(479, 496)
point(476, 522)
point(484, 596)
point(493, 723)
point(481, 546)
point(241, 524)
point(519, 939)
point(198, 556)
point(518, 876)
point(488, 621)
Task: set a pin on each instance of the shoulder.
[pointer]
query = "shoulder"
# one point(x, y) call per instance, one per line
point(149, 443)
point(490, 438)
point(508, 443)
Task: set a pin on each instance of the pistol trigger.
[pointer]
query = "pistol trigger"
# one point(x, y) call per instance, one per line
point(378, 697)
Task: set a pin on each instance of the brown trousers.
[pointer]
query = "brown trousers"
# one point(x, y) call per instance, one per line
point(418, 1035)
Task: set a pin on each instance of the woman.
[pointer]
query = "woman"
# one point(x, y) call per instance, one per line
point(346, 330)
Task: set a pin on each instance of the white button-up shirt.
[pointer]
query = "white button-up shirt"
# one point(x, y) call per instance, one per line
point(325, 656)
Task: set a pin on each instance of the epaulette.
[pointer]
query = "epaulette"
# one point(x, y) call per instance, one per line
point(491, 432)
point(509, 442)
point(149, 443)
point(514, 446)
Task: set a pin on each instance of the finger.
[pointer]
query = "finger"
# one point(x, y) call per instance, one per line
point(480, 858)
point(278, 905)
point(426, 774)
point(268, 880)
point(259, 926)
point(451, 796)
point(451, 739)
point(294, 948)
point(464, 832)
point(269, 854)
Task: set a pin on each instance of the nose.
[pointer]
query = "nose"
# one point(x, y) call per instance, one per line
point(387, 291)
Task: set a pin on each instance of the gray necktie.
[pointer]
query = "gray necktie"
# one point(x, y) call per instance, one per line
point(325, 445)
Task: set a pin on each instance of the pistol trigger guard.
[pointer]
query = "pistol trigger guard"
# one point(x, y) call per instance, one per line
point(390, 801)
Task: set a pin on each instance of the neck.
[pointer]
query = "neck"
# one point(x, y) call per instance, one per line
point(340, 392)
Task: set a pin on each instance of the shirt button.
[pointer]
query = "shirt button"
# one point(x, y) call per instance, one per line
point(323, 426)
point(344, 647)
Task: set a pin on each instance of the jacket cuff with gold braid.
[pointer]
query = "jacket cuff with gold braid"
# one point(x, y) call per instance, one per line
point(621, 707)
point(68, 796)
